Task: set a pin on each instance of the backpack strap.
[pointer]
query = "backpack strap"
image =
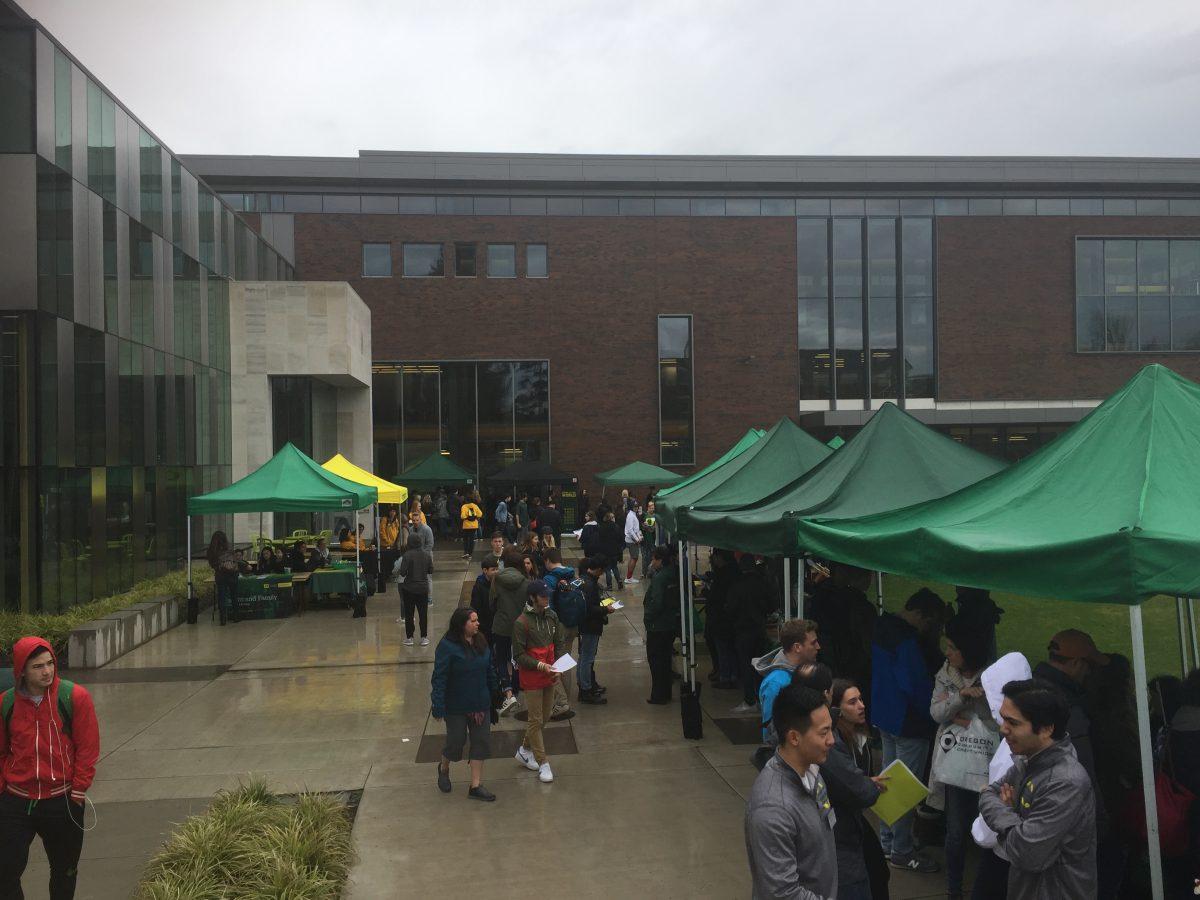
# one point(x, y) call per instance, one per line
point(66, 706)
point(6, 706)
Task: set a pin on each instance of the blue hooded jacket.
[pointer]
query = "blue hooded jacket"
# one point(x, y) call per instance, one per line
point(901, 685)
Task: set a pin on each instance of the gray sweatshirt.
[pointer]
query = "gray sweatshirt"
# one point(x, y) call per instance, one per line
point(1049, 834)
point(789, 835)
point(415, 568)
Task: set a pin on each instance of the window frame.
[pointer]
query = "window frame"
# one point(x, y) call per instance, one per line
point(546, 253)
point(658, 380)
point(363, 259)
point(488, 254)
point(404, 257)
point(458, 245)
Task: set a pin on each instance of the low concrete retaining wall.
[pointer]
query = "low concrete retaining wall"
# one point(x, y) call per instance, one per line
point(102, 640)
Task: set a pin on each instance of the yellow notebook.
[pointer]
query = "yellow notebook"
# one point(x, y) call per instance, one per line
point(904, 792)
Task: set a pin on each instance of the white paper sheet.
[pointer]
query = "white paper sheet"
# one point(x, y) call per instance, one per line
point(564, 663)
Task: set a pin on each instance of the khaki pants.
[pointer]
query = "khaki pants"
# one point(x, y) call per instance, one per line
point(540, 704)
point(565, 686)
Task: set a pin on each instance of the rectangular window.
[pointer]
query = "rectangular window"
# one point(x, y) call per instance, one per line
point(536, 265)
point(464, 260)
point(812, 256)
point(502, 260)
point(62, 110)
point(676, 420)
point(423, 261)
point(1137, 295)
point(377, 260)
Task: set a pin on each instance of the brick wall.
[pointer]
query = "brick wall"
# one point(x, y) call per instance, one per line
point(594, 318)
point(1006, 308)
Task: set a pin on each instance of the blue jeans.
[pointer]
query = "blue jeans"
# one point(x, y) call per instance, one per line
point(613, 571)
point(589, 645)
point(898, 839)
point(962, 806)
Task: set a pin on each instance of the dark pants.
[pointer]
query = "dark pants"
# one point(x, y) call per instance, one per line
point(501, 656)
point(1112, 855)
point(415, 603)
point(659, 647)
point(387, 561)
point(962, 806)
point(748, 646)
point(469, 540)
point(226, 590)
point(63, 839)
point(991, 878)
point(611, 571)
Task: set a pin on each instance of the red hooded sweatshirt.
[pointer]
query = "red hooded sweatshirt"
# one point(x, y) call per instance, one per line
point(38, 758)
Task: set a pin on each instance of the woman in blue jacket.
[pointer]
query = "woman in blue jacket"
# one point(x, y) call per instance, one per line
point(463, 685)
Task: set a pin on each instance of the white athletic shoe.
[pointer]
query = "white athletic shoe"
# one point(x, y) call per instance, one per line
point(408, 642)
point(745, 707)
point(545, 776)
point(632, 581)
point(525, 758)
point(425, 642)
point(509, 706)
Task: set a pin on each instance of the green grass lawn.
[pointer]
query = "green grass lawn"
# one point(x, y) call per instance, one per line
point(1028, 623)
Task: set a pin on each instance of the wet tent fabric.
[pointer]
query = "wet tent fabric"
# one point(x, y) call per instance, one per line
point(388, 492)
point(434, 470)
point(638, 474)
point(784, 454)
point(892, 462)
point(289, 481)
point(1105, 513)
point(697, 486)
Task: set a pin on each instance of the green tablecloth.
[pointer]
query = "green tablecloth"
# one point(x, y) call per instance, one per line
point(333, 580)
point(264, 597)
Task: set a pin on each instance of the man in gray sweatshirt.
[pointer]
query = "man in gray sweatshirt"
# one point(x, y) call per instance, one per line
point(789, 819)
point(1043, 810)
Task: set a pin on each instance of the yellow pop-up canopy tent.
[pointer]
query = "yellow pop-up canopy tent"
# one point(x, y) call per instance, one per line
point(388, 492)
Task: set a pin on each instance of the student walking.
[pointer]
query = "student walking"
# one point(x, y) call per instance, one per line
point(49, 744)
point(633, 542)
point(470, 515)
point(416, 568)
point(463, 684)
point(537, 643)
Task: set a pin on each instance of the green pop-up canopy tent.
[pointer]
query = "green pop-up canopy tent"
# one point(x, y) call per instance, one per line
point(433, 470)
point(894, 461)
point(698, 485)
point(638, 474)
point(1104, 514)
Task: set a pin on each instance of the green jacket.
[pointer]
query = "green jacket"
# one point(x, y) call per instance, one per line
point(544, 629)
point(511, 595)
point(660, 608)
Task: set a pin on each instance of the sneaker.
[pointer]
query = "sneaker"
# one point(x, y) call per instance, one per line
point(593, 698)
point(510, 704)
point(913, 863)
point(745, 707)
point(633, 581)
point(562, 715)
point(545, 776)
point(525, 758)
point(481, 793)
point(408, 642)
point(443, 779)
point(425, 642)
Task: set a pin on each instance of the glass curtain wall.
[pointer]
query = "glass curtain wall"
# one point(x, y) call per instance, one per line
point(483, 415)
point(676, 411)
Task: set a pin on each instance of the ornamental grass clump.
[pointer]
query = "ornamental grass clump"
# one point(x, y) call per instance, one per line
point(250, 845)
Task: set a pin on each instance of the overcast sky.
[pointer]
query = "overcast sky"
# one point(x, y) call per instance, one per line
point(635, 76)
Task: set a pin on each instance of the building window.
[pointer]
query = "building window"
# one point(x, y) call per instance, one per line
point(464, 260)
point(1137, 295)
point(676, 419)
point(423, 261)
point(377, 260)
point(502, 260)
point(536, 265)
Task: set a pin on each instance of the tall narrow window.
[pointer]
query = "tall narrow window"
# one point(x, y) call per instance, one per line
point(676, 421)
point(377, 260)
point(464, 260)
point(423, 261)
point(502, 261)
point(536, 264)
point(812, 270)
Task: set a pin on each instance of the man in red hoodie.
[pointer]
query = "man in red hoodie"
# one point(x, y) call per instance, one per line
point(49, 743)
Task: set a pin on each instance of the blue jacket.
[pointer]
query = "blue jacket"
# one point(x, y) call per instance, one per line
point(463, 681)
point(776, 674)
point(901, 684)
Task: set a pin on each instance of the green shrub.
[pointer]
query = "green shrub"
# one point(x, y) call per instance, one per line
point(250, 845)
point(55, 627)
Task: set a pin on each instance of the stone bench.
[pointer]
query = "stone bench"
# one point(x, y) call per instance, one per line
point(102, 640)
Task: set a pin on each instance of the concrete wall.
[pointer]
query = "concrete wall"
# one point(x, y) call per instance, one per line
point(319, 329)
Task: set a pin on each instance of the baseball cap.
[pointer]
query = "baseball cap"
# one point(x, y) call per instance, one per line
point(1076, 644)
point(538, 588)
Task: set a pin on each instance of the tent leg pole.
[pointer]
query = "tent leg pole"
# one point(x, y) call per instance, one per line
point(691, 624)
point(1147, 754)
point(1191, 609)
point(1181, 618)
point(800, 587)
point(189, 558)
point(879, 591)
point(683, 603)
point(787, 588)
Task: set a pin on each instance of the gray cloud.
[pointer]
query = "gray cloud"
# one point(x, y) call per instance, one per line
point(755, 77)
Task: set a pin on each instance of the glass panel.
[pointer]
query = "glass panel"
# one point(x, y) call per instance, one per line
point(421, 206)
point(377, 260)
point(379, 204)
point(16, 91)
point(1089, 267)
point(917, 257)
point(600, 206)
point(916, 206)
point(880, 207)
point(531, 406)
point(1185, 267)
point(564, 206)
point(1152, 207)
point(464, 260)
point(291, 412)
point(141, 283)
point(89, 397)
point(455, 206)
point(502, 260)
point(302, 203)
point(637, 206)
point(1152, 267)
point(528, 206)
point(742, 207)
point(495, 390)
point(1053, 207)
point(62, 110)
point(985, 206)
point(1185, 207)
point(1121, 323)
point(1185, 323)
point(778, 207)
point(848, 207)
point(1084, 206)
point(423, 261)
point(918, 347)
point(847, 258)
point(1089, 323)
point(341, 203)
point(536, 264)
point(491, 206)
point(812, 255)
point(676, 427)
point(671, 206)
point(1119, 207)
point(1120, 267)
point(150, 165)
point(420, 406)
point(950, 206)
point(109, 253)
point(458, 414)
point(815, 372)
point(848, 341)
point(708, 206)
point(881, 257)
point(1019, 207)
point(812, 207)
point(385, 419)
point(1154, 322)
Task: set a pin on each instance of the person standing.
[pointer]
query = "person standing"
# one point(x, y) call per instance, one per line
point(798, 646)
point(441, 512)
point(225, 575)
point(749, 601)
point(594, 619)
point(958, 698)
point(416, 567)
point(389, 546)
point(612, 546)
point(463, 683)
point(423, 535)
point(504, 518)
point(569, 604)
point(633, 542)
point(901, 691)
point(789, 823)
point(49, 745)
point(550, 517)
point(862, 870)
point(847, 622)
point(1044, 809)
point(589, 536)
point(649, 532)
point(469, 516)
point(660, 616)
point(510, 590)
point(720, 619)
point(537, 643)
